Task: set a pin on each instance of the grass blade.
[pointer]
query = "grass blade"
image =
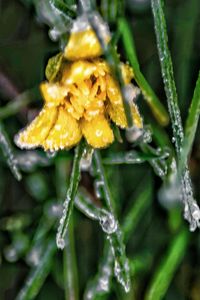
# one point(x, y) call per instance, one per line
point(166, 270)
point(154, 103)
point(191, 124)
point(37, 277)
point(121, 266)
point(71, 194)
point(70, 267)
point(8, 153)
point(186, 14)
point(167, 72)
point(18, 103)
point(191, 209)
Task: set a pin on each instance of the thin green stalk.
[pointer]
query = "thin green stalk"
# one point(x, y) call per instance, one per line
point(191, 124)
point(18, 103)
point(100, 285)
point(166, 270)
point(71, 193)
point(167, 73)
point(105, 270)
point(154, 103)
point(69, 254)
point(136, 211)
point(38, 275)
point(70, 266)
point(5, 146)
point(115, 237)
point(64, 8)
point(186, 18)
point(103, 184)
point(191, 209)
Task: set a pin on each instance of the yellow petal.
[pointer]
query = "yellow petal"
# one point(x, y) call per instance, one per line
point(53, 93)
point(102, 67)
point(127, 73)
point(35, 133)
point(64, 134)
point(117, 115)
point(113, 91)
point(97, 132)
point(83, 44)
point(77, 71)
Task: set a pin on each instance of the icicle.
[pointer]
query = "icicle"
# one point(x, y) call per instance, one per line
point(191, 208)
point(86, 159)
point(101, 284)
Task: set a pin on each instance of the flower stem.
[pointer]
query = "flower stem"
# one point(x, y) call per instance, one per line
point(71, 193)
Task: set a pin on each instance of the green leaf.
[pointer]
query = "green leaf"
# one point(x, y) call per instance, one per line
point(154, 103)
point(191, 125)
point(38, 275)
point(54, 67)
point(5, 146)
point(191, 209)
point(71, 194)
point(166, 270)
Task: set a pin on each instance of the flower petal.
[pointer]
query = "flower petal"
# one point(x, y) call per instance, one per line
point(127, 73)
point(35, 133)
point(77, 71)
point(53, 93)
point(117, 115)
point(82, 44)
point(64, 134)
point(97, 132)
point(113, 91)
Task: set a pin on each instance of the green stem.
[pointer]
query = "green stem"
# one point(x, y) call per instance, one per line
point(38, 275)
point(115, 235)
point(167, 73)
point(5, 146)
point(166, 270)
point(71, 193)
point(191, 209)
point(18, 103)
point(70, 266)
point(154, 103)
point(191, 124)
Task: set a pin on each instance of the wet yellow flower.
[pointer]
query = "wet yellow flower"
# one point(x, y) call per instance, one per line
point(82, 103)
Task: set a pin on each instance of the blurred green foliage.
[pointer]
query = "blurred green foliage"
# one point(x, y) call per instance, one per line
point(139, 186)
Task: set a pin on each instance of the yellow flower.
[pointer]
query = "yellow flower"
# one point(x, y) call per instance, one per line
point(82, 103)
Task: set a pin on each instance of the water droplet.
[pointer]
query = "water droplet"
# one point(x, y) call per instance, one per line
point(86, 159)
point(51, 154)
point(147, 135)
point(98, 184)
point(11, 254)
point(34, 256)
point(108, 222)
point(60, 242)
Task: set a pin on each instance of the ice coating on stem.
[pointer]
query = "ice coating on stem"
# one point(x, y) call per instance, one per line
point(191, 208)
point(86, 205)
point(101, 284)
point(121, 266)
point(71, 194)
point(86, 159)
point(107, 222)
point(8, 153)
